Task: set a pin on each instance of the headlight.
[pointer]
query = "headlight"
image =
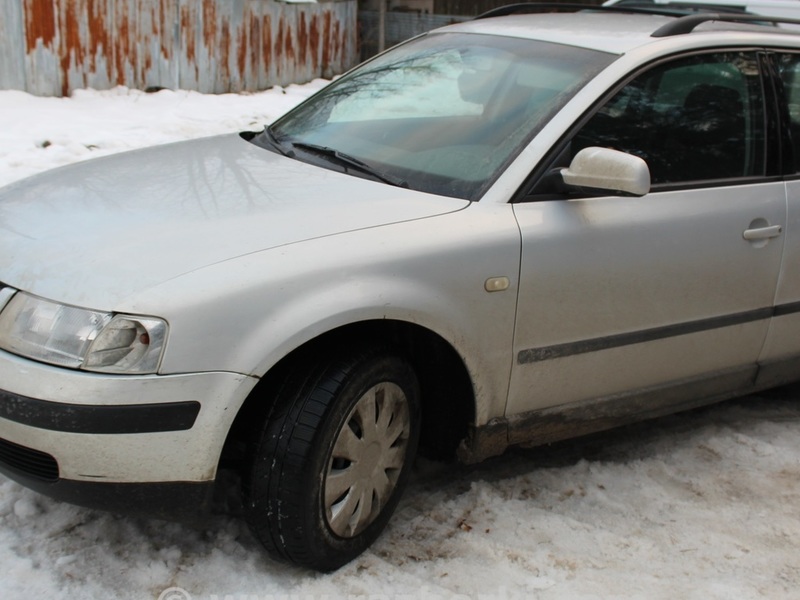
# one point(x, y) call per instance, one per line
point(81, 339)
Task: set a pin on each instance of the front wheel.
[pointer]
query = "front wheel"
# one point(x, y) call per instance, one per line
point(333, 458)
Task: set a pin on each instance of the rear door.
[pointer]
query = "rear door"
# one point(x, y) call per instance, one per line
point(633, 295)
point(780, 360)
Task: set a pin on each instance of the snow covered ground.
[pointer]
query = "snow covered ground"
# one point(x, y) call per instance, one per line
point(704, 505)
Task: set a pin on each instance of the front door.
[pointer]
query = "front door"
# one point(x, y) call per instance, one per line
point(622, 295)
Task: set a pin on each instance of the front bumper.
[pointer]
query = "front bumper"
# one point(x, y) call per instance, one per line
point(174, 501)
point(83, 436)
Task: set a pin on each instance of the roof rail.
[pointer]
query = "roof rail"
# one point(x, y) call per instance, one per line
point(681, 5)
point(643, 8)
point(688, 23)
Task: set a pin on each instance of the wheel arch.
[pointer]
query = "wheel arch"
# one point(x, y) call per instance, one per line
point(446, 388)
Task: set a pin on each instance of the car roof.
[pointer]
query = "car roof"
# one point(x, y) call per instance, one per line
point(613, 32)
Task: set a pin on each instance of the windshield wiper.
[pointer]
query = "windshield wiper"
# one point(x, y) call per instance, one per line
point(351, 161)
point(275, 142)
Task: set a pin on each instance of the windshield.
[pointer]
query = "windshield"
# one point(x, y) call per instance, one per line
point(443, 114)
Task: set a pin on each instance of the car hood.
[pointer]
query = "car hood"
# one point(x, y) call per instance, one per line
point(94, 233)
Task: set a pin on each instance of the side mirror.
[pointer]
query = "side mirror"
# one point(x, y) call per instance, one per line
point(609, 171)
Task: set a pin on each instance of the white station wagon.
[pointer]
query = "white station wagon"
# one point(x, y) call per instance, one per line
point(505, 232)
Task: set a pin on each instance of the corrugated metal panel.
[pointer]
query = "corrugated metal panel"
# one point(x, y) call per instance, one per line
point(12, 67)
point(51, 47)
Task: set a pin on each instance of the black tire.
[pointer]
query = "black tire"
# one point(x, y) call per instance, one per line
point(319, 437)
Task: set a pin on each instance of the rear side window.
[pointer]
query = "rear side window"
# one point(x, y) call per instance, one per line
point(693, 119)
point(789, 70)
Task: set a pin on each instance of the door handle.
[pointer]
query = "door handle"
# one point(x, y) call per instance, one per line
point(762, 233)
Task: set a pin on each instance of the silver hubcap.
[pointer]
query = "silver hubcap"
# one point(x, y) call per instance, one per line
point(367, 458)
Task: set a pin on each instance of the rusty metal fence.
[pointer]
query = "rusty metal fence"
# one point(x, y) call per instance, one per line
point(51, 47)
point(398, 27)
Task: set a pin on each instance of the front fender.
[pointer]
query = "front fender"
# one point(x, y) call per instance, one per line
point(246, 314)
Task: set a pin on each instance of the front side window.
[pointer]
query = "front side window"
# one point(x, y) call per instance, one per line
point(444, 113)
point(699, 118)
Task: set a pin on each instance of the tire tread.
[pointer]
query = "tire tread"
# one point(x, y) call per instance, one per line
point(286, 443)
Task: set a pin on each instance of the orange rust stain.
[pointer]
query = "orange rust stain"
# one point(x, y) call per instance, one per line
point(338, 41)
point(241, 51)
point(266, 43)
point(98, 42)
point(255, 47)
point(188, 34)
point(122, 42)
point(71, 50)
point(279, 44)
point(224, 52)
point(314, 35)
point(288, 47)
point(209, 23)
point(302, 40)
point(165, 31)
point(40, 23)
point(326, 41)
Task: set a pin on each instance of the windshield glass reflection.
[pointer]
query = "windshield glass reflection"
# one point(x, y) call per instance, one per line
point(444, 113)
